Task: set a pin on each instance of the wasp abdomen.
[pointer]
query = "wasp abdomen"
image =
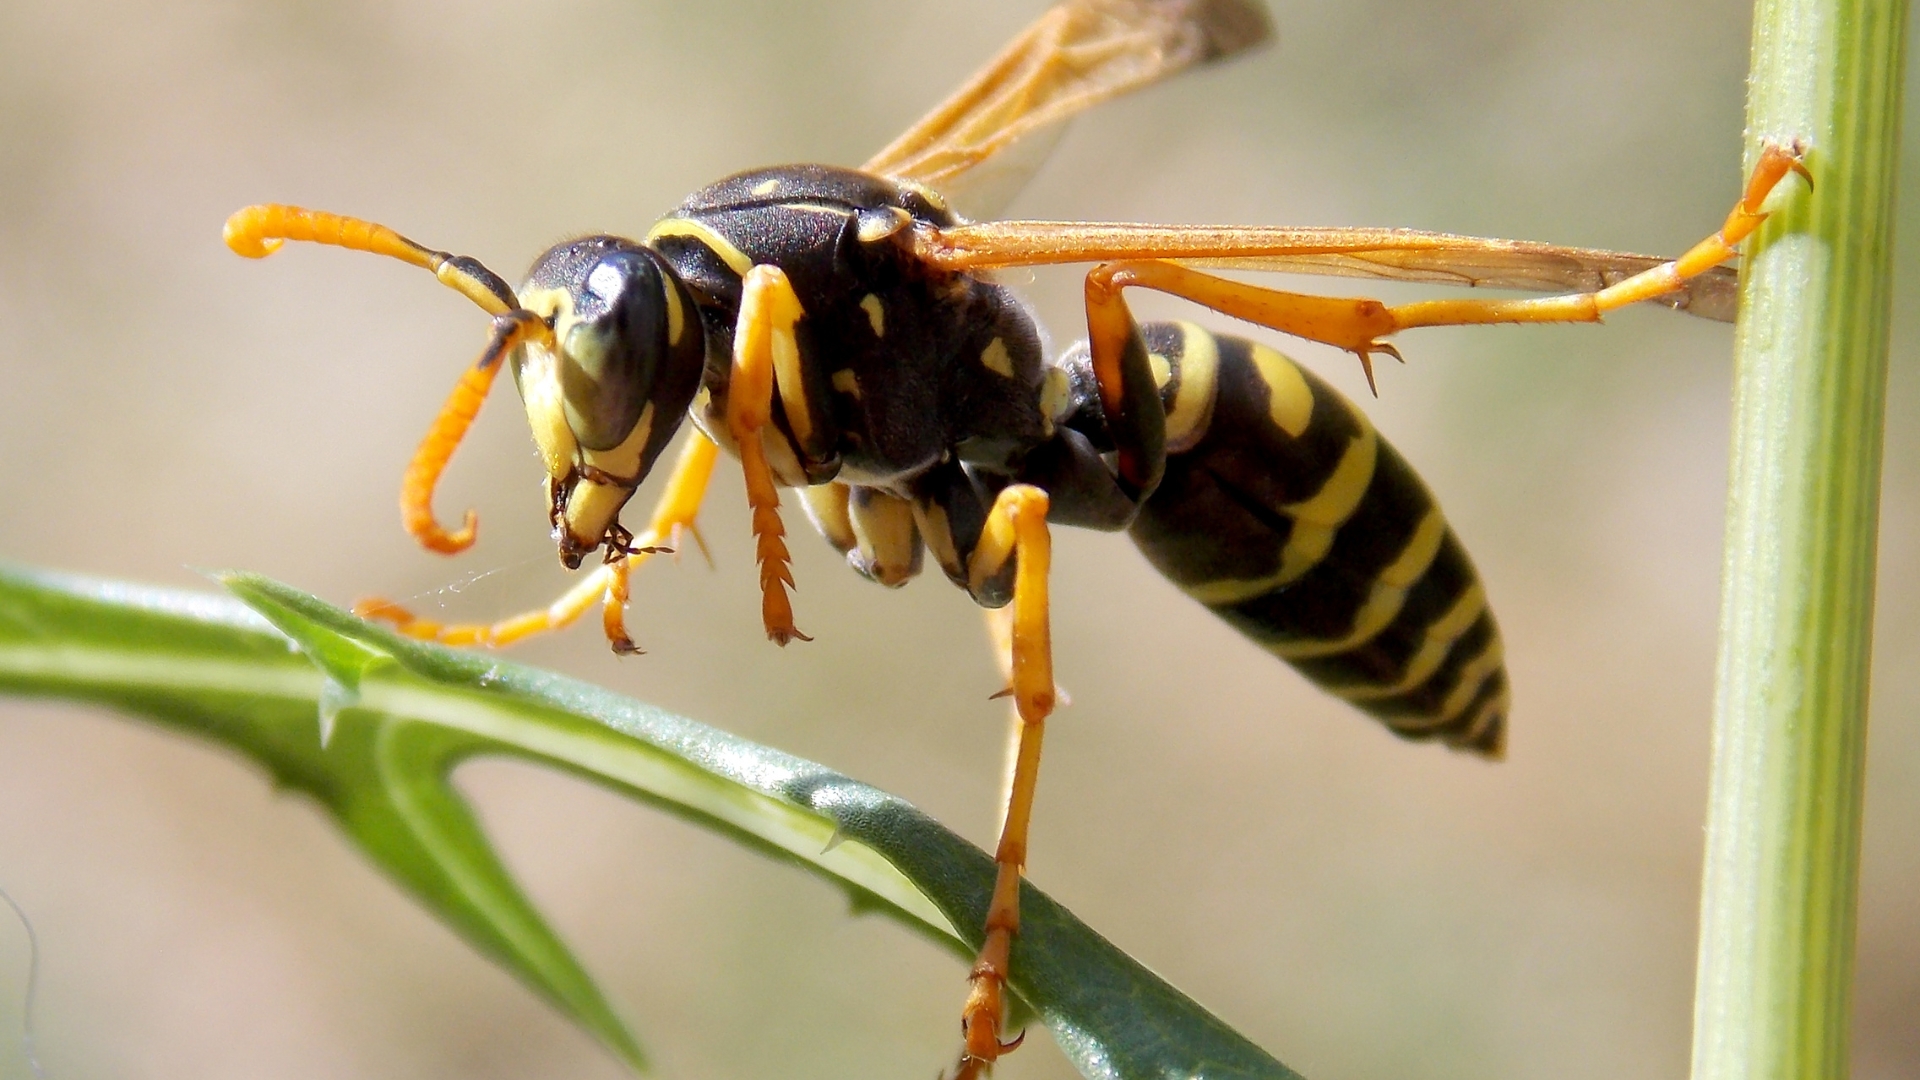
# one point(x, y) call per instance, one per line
point(1285, 513)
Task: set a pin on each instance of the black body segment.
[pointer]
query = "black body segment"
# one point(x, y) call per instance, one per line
point(1292, 520)
point(901, 365)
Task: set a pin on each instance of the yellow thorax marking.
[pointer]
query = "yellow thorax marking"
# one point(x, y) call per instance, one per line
point(996, 360)
point(690, 229)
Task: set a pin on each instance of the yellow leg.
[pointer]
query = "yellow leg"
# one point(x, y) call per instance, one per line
point(1016, 525)
point(1774, 165)
point(673, 517)
point(1000, 638)
point(1361, 325)
point(763, 341)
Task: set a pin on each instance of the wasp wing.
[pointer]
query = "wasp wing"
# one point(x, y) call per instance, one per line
point(1388, 254)
point(1078, 54)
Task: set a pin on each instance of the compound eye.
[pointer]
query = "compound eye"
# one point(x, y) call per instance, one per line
point(611, 344)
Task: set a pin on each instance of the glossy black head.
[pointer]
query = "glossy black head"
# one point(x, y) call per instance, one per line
point(606, 399)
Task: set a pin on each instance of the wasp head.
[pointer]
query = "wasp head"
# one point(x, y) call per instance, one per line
point(608, 394)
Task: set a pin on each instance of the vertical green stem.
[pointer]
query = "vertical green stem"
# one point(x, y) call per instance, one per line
point(1783, 838)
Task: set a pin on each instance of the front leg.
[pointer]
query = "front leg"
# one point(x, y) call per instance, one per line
point(764, 344)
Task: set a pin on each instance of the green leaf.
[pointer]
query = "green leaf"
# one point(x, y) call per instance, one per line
point(371, 724)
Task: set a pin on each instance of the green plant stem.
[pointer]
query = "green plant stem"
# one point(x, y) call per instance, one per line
point(1783, 837)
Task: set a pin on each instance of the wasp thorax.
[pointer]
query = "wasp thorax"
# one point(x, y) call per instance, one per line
point(609, 393)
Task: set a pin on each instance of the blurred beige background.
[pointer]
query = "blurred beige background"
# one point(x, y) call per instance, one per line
point(1361, 907)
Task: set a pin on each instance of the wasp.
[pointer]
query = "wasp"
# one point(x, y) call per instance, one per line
point(840, 333)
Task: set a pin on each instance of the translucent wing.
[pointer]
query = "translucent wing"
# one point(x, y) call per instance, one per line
point(1390, 254)
point(1080, 53)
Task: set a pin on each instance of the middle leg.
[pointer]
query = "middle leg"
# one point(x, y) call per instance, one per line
point(1016, 528)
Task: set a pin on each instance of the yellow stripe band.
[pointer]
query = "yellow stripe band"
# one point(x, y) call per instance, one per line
point(1341, 494)
point(1289, 398)
point(1388, 596)
point(1473, 676)
point(1192, 407)
point(1434, 644)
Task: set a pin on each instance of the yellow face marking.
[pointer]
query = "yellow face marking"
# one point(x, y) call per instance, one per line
point(546, 412)
point(846, 382)
point(546, 303)
point(876, 314)
point(994, 357)
point(1192, 407)
point(624, 460)
point(1289, 398)
point(1162, 369)
point(765, 187)
point(690, 229)
point(592, 506)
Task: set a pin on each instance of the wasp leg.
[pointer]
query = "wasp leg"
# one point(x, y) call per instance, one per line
point(1775, 163)
point(1360, 325)
point(763, 342)
point(673, 517)
point(1016, 528)
point(676, 511)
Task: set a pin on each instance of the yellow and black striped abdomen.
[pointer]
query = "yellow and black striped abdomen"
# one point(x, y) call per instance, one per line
point(1284, 512)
